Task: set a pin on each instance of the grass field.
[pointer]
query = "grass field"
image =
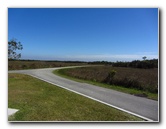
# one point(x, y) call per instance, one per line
point(140, 82)
point(18, 65)
point(41, 101)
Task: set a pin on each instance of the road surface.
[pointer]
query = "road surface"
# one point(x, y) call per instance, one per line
point(138, 106)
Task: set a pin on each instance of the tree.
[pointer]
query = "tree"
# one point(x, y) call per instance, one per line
point(144, 57)
point(13, 45)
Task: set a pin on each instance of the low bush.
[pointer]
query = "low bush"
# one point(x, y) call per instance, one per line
point(110, 77)
point(128, 83)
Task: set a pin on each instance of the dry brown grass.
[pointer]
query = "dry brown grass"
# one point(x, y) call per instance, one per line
point(142, 79)
point(18, 65)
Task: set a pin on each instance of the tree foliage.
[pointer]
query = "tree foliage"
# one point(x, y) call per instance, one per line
point(144, 58)
point(143, 64)
point(13, 46)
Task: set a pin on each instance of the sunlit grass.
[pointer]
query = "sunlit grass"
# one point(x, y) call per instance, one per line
point(41, 101)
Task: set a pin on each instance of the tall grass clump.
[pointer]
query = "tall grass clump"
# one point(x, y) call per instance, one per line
point(109, 78)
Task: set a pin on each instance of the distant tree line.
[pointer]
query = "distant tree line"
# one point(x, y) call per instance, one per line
point(31, 60)
point(145, 64)
point(101, 63)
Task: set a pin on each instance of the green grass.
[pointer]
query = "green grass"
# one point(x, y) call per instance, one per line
point(41, 101)
point(61, 72)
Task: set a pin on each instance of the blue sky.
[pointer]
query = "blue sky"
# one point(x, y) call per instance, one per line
point(85, 34)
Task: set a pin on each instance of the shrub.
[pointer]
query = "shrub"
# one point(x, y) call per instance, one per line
point(33, 66)
point(132, 83)
point(128, 82)
point(110, 77)
point(24, 66)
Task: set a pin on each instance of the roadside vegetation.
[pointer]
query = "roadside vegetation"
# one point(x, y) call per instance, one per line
point(139, 82)
point(34, 64)
point(41, 101)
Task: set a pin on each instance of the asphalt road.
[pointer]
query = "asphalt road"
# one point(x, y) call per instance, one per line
point(139, 106)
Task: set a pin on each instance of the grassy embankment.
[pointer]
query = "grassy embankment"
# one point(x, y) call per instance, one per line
point(41, 101)
point(140, 82)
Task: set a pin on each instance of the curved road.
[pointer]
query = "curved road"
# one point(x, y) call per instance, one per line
point(138, 106)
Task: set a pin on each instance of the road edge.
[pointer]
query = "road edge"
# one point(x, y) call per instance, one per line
point(132, 113)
